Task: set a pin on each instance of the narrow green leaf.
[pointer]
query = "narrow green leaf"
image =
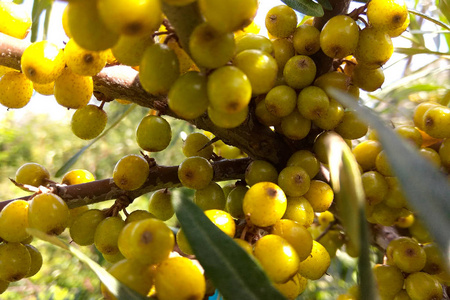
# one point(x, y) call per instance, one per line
point(444, 7)
point(325, 4)
point(77, 155)
point(306, 7)
point(415, 51)
point(431, 19)
point(231, 269)
point(48, 12)
point(119, 290)
point(426, 188)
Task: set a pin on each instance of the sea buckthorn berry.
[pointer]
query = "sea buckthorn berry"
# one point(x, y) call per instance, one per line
point(260, 170)
point(299, 210)
point(387, 15)
point(382, 164)
point(16, 21)
point(87, 28)
point(367, 79)
point(244, 245)
point(195, 172)
point(294, 181)
point(299, 71)
point(281, 21)
point(149, 242)
point(159, 68)
point(211, 197)
point(332, 117)
point(235, 200)
point(419, 232)
point(211, 48)
point(409, 256)
point(283, 50)
point(339, 36)
point(351, 127)
point(325, 218)
point(375, 187)
point(389, 280)
point(296, 235)
point(365, 154)
point(411, 134)
point(72, 90)
point(107, 234)
point(321, 149)
point(249, 41)
point(312, 102)
point(32, 174)
point(222, 220)
point(138, 215)
point(293, 287)
point(264, 116)
point(183, 243)
point(334, 79)
point(431, 155)
point(295, 126)
point(130, 172)
point(131, 17)
point(306, 160)
point(153, 133)
point(227, 120)
point(320, 195)
point(420, 110)
point(75, 212)
point(188, 96)
point(179, 278)
point(421, 285)
point(130, 49)
point(83, 62)
point(88, 122)
point(42, 62)
point(306, 39)
point(14, 221)
point(228, 16)
point(139, 277)
point(45, 89)
point(15, 90)
point(77, 176)
point(444, 153)
point(264, 204)
point(315, 265)
point(435, 263)
point(281, 100)
point(395, 196)
point(48, 213)
point(160, 204)
point(374, 48)
point(36, 260)
point(229, 89)
point(436, 122)
point(15, 261)
point(195, 145)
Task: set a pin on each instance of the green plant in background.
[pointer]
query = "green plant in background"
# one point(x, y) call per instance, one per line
point(317, 197)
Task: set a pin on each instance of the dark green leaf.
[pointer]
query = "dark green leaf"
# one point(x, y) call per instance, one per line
point(426, 188)
point(306, 7)
point(119, 290)
point(66, 167)
point(325, 4)
point(231, 269)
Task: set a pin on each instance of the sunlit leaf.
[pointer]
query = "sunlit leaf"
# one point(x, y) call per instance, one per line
point(39, 6)
point(234, 273)
point(306, 7)
point(431, 19)
point(426, 188)
point(119, 290)
point(415, 51)
point(66, 167)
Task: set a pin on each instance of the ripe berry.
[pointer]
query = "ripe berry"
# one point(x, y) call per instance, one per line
point(387, 15)
point(222, 220)
point(420, 110)
point(277, 257)
point(264, 204)
point(306, 160)
point(367, 79)
point(444, 153)
point(130, 172)
point(195, 172)
point(375, 186)
point(45, 89)
point(229, 89)
point(153, 133)
point(160, 204)
point(260, 67)
point(294, 181)
point(87, 28)
point(211, 48)
point(16, 21)
point(15, 261)
point(188, 97)
point(281, 100)
point(365, 154)
point(293, 287)
point(374, 48)
point(421, 285)
point(195, 145)
point(296, 235)
point(227, 120)
point(299, 71)
point(306, 39)
point(130, 49)
point(211, 197)
point(179, 278)
point(389, 280)
point(411, 134)
point(83, 62)
point(339, 37)
point(409, 256)
point(36, 260)
point(48, 213)
point(14, 221)
point(32, 174)
point(138, 215)
point(351, 127)
point(436, 122)
point(72, 90)
point(249, 41)
point(283, 50)
point(281, 21)
point(315, 265)
point(299, 210)
point(131, 17)
point(15, 90)
point(295, 126)
point(183, 243)
point(260, 170)
point(42, 62)
point(264, 116)
point(312, 102)
point(159, 68)
point(235, 200)
point(77, 176)
point(88, 122)
point(320, 195)
point(107, 234)
point(382, 165)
